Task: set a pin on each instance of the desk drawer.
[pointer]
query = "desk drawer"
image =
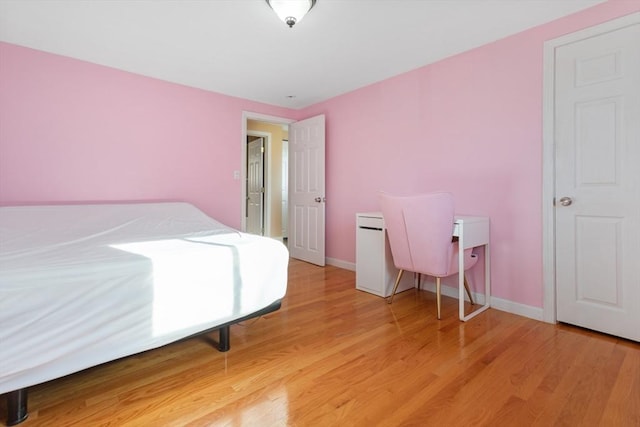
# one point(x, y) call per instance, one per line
point(370, 222)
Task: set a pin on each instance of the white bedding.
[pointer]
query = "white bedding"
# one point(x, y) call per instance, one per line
point(81, 285)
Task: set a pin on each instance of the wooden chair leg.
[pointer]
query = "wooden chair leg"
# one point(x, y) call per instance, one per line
point(419, 278)
point(466, 286)
point(395, 287)
point(438, 295)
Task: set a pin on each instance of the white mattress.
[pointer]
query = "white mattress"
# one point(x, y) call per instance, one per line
point(81, 285)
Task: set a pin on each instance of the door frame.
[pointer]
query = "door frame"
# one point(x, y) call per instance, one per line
point(548, 155)
point(248, 115)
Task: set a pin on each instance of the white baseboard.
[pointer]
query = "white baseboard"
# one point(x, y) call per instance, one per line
point(535, 313)
point(341, 264)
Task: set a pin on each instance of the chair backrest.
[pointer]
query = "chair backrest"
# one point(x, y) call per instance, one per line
point(419, 229)
point(392, 212)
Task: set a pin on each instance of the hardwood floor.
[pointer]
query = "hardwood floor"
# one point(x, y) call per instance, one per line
point(334, 356)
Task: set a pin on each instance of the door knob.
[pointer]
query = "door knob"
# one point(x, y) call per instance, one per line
point(318, 199)
point(566, 201)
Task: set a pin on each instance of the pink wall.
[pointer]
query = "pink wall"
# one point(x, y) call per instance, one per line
point(75, 131)
point(470, 124)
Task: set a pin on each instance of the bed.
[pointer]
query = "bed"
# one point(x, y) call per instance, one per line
point(81, 285)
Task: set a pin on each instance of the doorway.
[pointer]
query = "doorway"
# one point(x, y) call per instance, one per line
point(306, 184)
point(274, 132)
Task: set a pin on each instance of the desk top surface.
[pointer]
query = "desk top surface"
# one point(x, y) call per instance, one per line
point(458, 218)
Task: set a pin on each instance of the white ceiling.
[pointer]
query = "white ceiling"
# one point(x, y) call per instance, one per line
point(240, 48)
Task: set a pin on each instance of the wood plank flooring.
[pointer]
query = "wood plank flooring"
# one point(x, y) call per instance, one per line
point(334, 356)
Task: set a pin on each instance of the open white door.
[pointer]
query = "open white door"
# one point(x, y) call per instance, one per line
point(307, 190)
point(597, 128)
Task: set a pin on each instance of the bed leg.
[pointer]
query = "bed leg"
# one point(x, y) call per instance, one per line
point(223, 344)
point(17, 407)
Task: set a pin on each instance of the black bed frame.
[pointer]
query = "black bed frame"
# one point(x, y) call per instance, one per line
point(17, 399)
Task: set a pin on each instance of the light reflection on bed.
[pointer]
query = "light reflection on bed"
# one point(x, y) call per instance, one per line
point(202, 295)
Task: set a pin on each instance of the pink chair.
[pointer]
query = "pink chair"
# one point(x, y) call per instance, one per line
point(420, 229)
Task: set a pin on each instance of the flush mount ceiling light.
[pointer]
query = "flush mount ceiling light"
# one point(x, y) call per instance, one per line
point(291, 11)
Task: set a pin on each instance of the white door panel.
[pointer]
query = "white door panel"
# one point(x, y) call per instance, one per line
point(307, 190)
point(597, 128)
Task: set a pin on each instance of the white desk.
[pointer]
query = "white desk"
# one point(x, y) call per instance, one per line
point(472, 231)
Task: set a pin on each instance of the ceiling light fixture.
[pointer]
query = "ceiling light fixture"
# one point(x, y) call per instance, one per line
point(291, 11)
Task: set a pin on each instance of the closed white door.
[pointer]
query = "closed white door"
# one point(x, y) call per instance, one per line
point(597, 210)
point(307, 190)
point(255, 186)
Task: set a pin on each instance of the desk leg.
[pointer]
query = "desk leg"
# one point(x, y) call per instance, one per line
point(461, 275)
point(487, 285)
